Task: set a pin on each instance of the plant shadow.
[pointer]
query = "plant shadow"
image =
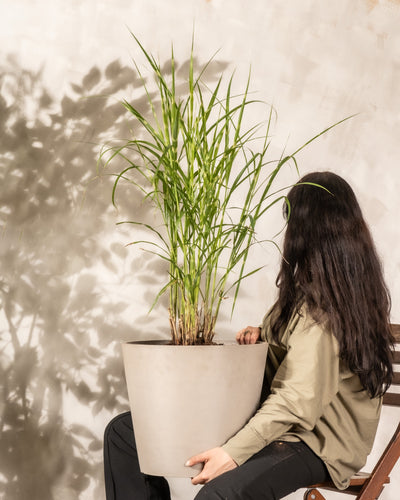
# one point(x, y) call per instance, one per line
point(68, 283)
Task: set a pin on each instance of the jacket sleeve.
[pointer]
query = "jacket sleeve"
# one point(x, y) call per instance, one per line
point(305, 383)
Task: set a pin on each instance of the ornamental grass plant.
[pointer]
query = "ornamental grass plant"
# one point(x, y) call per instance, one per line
point(192, 157)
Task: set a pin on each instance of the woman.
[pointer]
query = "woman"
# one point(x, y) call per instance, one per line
point(328, 363)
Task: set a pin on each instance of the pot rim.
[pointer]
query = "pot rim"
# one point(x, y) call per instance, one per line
point(167, 343)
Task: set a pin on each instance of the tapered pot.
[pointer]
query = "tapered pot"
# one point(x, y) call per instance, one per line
point(188, 399)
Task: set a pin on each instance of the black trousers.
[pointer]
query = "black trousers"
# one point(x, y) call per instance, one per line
point(277, 470)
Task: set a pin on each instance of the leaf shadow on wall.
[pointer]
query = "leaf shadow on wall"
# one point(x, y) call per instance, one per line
point(59, 316)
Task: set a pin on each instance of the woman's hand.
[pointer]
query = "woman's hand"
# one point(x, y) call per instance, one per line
point(216, 461)
point(248, 335)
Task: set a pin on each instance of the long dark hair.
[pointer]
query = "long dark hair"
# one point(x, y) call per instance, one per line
point(330, 264)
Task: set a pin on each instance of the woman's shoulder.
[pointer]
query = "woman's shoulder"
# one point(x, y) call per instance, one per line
point(303, 323)
point(309, 328)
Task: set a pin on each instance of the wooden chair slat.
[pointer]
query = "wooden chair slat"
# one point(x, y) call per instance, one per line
point(391, 399)
point(396, 331)
point(396, 378)
point(396, 357)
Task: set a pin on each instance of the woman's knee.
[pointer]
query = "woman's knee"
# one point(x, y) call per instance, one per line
point(214, 490)
point(118, 425)
point(208, 493)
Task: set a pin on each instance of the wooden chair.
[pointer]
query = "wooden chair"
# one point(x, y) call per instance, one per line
point(370, 486)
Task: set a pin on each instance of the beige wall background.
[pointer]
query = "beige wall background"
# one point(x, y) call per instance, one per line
point(70, 289)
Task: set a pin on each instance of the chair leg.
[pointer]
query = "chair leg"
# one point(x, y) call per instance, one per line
point(313, 494)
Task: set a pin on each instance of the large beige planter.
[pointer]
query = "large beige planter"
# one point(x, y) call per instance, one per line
point(187, 399)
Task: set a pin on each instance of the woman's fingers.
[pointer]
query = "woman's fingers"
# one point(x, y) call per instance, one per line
point(248, 335)
point(196, 459)
point(216, 461)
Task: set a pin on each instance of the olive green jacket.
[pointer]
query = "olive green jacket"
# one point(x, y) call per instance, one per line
point(315, 398)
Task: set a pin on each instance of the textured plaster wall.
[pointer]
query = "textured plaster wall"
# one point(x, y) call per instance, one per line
point(70, 289)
